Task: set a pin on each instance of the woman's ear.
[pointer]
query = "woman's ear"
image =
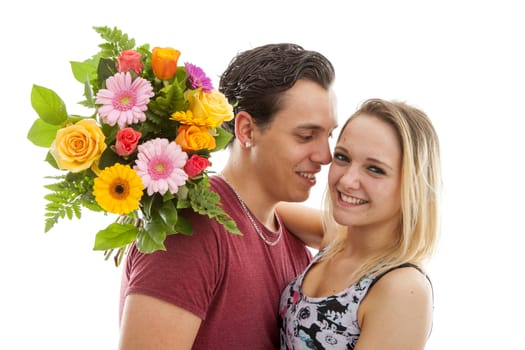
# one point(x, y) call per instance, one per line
point(244, 126)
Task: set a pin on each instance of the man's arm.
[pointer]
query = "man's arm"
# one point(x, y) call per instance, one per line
point(152, 324)
point(304, 222)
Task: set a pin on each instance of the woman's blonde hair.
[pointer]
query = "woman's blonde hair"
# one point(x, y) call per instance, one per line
point(420, 190)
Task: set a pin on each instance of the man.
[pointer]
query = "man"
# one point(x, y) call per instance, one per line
point(215, 290)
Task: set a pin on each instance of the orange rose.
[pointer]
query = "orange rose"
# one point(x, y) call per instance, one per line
point(164, 62)
point(78, 146)
point(194, 138)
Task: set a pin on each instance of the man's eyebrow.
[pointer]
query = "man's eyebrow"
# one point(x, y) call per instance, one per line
point(313, 127)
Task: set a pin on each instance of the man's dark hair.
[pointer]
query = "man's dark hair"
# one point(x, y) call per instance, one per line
point(256, 79)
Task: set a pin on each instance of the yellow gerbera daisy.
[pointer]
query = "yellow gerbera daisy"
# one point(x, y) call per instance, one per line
point(118, 189)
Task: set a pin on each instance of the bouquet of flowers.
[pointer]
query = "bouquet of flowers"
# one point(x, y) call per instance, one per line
point(144, 152)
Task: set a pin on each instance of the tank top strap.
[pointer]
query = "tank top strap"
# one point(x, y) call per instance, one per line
point(399, 267)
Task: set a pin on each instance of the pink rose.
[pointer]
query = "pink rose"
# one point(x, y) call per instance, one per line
point(129, 60)
point(196, 165)
point(127, 140)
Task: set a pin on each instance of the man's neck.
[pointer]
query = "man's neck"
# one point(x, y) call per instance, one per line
point(247, 186)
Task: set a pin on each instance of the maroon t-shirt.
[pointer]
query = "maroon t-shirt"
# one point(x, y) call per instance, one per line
point(233, 283)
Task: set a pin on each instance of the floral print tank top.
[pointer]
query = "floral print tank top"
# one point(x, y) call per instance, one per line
point(325, 322)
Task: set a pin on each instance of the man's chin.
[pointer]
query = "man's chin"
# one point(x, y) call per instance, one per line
point(300, 197)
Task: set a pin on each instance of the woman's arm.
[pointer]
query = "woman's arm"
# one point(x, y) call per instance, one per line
point(397, 312)
point(304, 222)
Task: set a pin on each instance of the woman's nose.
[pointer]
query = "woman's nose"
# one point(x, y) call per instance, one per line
point(351, 177)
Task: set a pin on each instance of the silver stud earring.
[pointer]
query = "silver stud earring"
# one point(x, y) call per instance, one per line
point(248, 144)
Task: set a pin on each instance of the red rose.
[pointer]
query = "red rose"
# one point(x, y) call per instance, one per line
point(129, 59)
point(196, 165)
point(127, 140)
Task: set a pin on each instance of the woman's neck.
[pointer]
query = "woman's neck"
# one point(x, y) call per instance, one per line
point(364, 242)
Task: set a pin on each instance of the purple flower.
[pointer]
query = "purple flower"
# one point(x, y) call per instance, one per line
point(198, 78)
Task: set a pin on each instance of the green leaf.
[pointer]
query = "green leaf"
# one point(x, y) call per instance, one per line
point(51, 160)
point(69, 213)
point(183, 226)
point(156, 228)
point(115, 236)
point(53, 197)
point(147, 205)
point(222, 139)
point(182, 194)
point(108, 158)
point(151, 238)
point(49, 225)
point(168, 214)
point(229, 224)
point(76, 211)
point(84, 71)
point(170, 99)
point(183, 201)
point(42, 134)
point(106, 68)
point(116, 41)
point(88, 93)
point(48, 105)
point(207, 202)
point(68, 196)
point(110, 132)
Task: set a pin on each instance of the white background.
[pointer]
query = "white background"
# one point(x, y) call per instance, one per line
point(460, 61)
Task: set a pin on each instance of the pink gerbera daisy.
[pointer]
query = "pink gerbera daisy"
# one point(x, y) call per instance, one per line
point(124, 101)
point(160, 164)
point(198, 78)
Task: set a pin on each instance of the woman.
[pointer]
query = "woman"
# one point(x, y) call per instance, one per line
point(366, 288)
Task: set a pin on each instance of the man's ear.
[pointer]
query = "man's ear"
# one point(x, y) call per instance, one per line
point(244, 127)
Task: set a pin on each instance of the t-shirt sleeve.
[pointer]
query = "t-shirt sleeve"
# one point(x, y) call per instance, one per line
point(186, 274)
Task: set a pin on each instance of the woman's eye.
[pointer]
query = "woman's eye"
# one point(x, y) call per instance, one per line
point(376, 170)
point(341, 157)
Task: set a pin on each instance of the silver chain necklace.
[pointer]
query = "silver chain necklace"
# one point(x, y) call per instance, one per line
point(252, 220)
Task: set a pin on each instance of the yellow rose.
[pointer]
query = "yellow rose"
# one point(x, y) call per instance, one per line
point(208, 109)
point(194, 138)
point(78, 146)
